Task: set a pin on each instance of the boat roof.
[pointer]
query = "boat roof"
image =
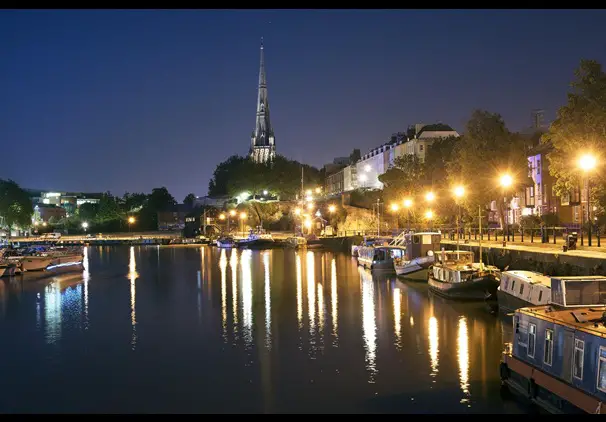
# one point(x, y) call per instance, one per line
point(580, 278)
point(587, 319)
point(530, 277)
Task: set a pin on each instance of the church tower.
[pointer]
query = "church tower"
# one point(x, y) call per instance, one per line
point(262, 143)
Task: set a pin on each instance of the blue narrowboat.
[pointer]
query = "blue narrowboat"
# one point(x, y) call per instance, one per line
point(558, 356)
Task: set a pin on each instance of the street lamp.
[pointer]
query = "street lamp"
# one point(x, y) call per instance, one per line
point(318, 190)
point(394, 209)
point(243, 217)
point(297, 211)
point(429, 196)
point(506, 182)
point(331, 208)
point(310, 206)
point(459, 191)
point(429, 216)
point(587, 162)
point(85, 226)
point(131, 221)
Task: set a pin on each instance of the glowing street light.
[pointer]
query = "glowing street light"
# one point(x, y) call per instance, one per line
point(232, 213)
point(587, 162)
point(308, 192)
point(243, 217)
point(265, 192)
point(310, 206)
point(429, 196)
point(131, 220)
point(459, 191)
point(506, 180)
point(429, 214)
point(297, 211)
point(85, 225)
point(394, 207)
point(318, 190)
point(332, 208)
point(221, 216)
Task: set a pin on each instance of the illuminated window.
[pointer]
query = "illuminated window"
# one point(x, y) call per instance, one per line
point(579, 354)
point(602, 369)
point(548, 354)
point(532, 339)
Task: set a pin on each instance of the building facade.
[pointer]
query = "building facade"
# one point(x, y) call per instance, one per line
point(262, 143)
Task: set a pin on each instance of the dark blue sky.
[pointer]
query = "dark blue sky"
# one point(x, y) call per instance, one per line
point(131, 100)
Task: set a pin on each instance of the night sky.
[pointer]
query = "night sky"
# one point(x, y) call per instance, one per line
point(131, 100)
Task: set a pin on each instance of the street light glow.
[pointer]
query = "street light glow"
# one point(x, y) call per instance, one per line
point(308, 223)
point(243, 216)
point(587, 162)
point(394, 207)
point(265, 192)
point(506, 180)
point(131, 220)
point(408, 203)
point(310, 206)
point(429, 196)
point(429, 214)
point(84, 225)
point(232, 213)
point(297, 211)
point(221, 216)
point(318, 189)
point(459, 191)
point(308, 192)
point(332, 208)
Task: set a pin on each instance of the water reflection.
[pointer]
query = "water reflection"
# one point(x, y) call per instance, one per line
point(311, 300)
point(247, 295)
point(52, 312)
point(85, 279)
point(334, 300)
point(397, 317)
point(223, 268)
point(3, 298)
point(299, 291)
point(133, 275)
point(233, 265)
point(463, 355)
point(369, 324)
point(433, 345)
point(267, 271)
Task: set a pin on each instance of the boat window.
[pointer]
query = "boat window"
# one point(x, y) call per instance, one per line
point(513, 284)
point(602, 369)
point(548, 354)
point(585, 293)
point(506, 280)
point(521, 289)
point(579, 354)
point(415, 239)
point(540, 295)
point(532, 338)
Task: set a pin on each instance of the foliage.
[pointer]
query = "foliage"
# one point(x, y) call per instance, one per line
point(487, 150)
point(189, 200)
point(580, 127)
point(364, 198)
point(282, 177)
point(88, 211)
point(15, 205)
point(438, 154)
point(133, 202)
point(404, 178)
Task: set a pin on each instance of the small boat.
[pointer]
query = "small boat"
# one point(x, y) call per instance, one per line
point(456, 276)
point(257, 240)
point(296, 242)
point(419, 254)
point(379, 257)
point(40, 258)
point(7, 269)
point(369, 241)
point(520, 289)
point(558, 356)
point(226, 242)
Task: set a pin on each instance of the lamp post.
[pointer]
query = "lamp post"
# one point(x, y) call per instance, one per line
point(587, 162)
point(243, 217)
point(85, 226)
point(429, 217)
point(230, 214)
point(459, 191)
point(407, 205)
point(131, 221)
point(506, 181)
point(394, 209)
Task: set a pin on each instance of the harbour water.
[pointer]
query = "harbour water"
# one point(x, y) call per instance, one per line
point(198, 329)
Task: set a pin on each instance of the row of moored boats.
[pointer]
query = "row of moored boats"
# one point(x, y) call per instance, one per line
point(557, 359)
point(15, 261)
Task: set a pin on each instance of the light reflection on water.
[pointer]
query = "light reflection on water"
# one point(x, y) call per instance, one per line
point(388, 338)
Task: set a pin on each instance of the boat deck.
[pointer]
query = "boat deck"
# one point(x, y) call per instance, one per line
point(530, 277)
point(587, 319)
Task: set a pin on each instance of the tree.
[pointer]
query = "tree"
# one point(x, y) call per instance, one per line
point(487, 150)
point(108, 208)
point(189, 200)
point(159, 200)
point(15, 205)
point(133, 202)
point(404, 178)
point(438, 154)
point(88, 211)
point(221, 176)
point(580, 127)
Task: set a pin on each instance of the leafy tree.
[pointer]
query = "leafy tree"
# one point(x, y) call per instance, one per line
point(403, 178)
point(221, 176)
point(580, 127)
point(108, 208)
point(133, 202)
point(15, 205)
point(487, 150)
point(189, 200)
point(159, 200)
point(88, 211)
point(438, 154)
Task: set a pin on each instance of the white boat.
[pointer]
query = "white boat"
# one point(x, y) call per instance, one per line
point(257, 240)
point(419, 254)
point(369, 241)
point(39, 258)
point(7, 269)
point(226, 242)
point(379, 257)
point(520, 289)
point(296, 242)
point(456, 276)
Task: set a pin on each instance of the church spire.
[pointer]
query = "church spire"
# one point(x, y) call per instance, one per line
point(263, 147)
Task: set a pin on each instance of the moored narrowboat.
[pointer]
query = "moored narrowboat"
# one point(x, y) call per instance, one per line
point(558, 355)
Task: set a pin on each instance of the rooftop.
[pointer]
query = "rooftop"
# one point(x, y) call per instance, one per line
point(530, 277)
point(589, 319)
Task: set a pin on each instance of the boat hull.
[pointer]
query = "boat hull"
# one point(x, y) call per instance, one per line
point(258, 244)
point(226, 245)
point(415, 269)
point(35, 263)
point(509, 303)
point(7, 270)
point(67, 259)
point(478, 288)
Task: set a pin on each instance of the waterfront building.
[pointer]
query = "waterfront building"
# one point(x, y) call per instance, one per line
point(69, 201)
point(262, 143)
